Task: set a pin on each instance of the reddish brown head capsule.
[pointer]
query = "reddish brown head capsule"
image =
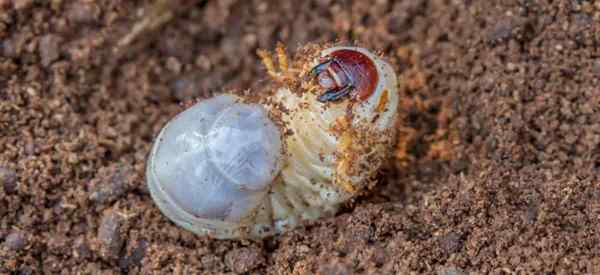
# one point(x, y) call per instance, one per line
point(344, 72)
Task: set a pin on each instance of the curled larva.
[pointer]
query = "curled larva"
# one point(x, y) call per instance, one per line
point(229, 168)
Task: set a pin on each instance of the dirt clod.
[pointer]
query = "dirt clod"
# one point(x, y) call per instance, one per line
point(81, 249)
point(83, 12)
point(136, 256)
point(49, 49)
point(110, 183)
point(451, 271)
point(16, 240)
point(243, 260)
point(8, 179)
point(109, 235)
point(596, 67)
point(334, 268)
point(22, 4)
point(451, 242)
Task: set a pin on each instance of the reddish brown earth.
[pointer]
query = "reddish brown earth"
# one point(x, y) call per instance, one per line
point(496, 170)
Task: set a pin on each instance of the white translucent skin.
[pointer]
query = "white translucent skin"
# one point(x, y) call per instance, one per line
point(212, 165)
point(195, 175)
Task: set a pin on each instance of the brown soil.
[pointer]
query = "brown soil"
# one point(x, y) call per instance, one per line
point(496, 171)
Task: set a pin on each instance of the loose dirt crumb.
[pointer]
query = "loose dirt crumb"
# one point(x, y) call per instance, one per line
point(8, 179)
point(243, 260)
point(451, 271)
point(49, 49)
point(110, 183)
point(15, 241)
point(109, 235)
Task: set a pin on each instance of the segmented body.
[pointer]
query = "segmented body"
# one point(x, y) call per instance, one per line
point(331, 149)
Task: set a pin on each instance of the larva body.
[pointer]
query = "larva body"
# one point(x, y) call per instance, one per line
point(335, 113)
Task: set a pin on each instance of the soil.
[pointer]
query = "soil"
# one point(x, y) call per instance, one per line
point(496, 169)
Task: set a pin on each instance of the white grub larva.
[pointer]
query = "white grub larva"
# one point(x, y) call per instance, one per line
point(229, 168)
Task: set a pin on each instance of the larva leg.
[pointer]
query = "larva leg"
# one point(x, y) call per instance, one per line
point(267, 60)
point(320, 68)
point(335, 94)
point(283, 71)
point(282, 58)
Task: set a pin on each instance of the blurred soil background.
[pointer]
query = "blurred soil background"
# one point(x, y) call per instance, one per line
point(496, 169)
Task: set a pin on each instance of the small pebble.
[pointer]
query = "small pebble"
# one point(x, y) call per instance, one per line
point(83, 12)
point(502, 31)
point(109, 235)
point(110, 184)
point(9, 48)
point(186, 87)
point(243, 260)
point(511, 67)
point(81, 249)
point(15, 241)
point(211, 262)
point(451, 270)
point(22, 4)
point(8, 180)
point(49, 49)
point(451, 242)
point(174, 65)
point(596, 67)
point(334, 268)
point(136, 257)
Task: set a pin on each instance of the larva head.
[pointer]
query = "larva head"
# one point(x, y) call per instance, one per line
point(356, 75)
point(346, 72)
point(342, 117)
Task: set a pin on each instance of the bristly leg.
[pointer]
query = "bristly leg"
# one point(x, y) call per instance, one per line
point(267, 60)
point(335, 94)
point(283, 71)
point(282, 58)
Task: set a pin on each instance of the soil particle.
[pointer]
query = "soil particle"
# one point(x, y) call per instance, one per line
point(244, 260)
point(49, 49)
point(110, 184)
point(186, 87)
point(135, 257)
point(451, 271)
point(81, 249)
point(8, 180)
point(596, 67)
point(451, 242)
point(109, 235)
point(16, 240)
point(502, 31)
point(83, 12)
point(22, 4)
point(334, 268)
